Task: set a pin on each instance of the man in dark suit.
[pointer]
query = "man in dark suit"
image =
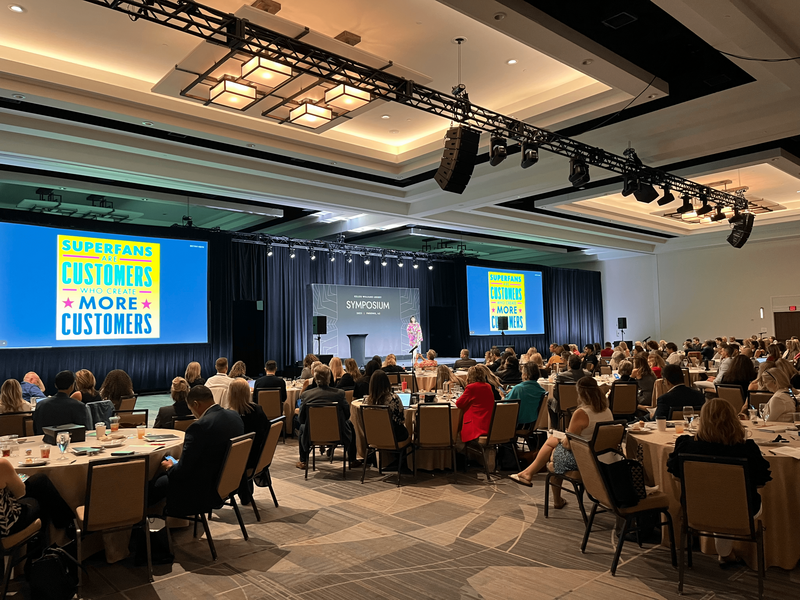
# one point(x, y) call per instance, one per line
point(465, 362)
point(190, 486)
point(677, 395)
point(61, 409)
point(496, 358)
point(324, 394)
point(269, 381)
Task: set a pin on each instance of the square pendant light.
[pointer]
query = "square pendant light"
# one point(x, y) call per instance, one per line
point(232, 94)
point(310, 115)
point(265, 71)
point(347, 97)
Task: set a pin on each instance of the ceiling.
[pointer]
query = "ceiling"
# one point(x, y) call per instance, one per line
point(90, 102)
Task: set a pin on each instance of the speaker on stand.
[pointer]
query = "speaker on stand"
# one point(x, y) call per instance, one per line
point(622, 325)
point(458, 160)
point(320, 325)
point(502, 325)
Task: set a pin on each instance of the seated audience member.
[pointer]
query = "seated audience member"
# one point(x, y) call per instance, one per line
point(740, 372)
point(307, 362)
point(381, 394)
point(84, 387)
point(270, 381)
point(190, 486)
point(645, 379)
point(524, 358)
point(238, 371)
point(361, 388)
point(219, 383)
point(511, 375)
point(503, 358)
point(696, 345)
point(428, 364)
point(337, 370)
point(677, 395)
point(61, 409)
point(465, 362)
point(652, 346)
point(590, 358)
point(608, 351)
point(254, 421)
point(719, 433)
point(193, 374)
point(617, 358)
point(352, 374)
point(178, 408)
point(495, 360)
point(623, 347)
point(592, 409)
point(390, 365)
point(32, 386)
point(117, 386)
point(597, 349)
point(574, 373)
point(673, 356)
point(477, 406)
point(656, 362)
point(310, 384)
point(556, 358)
point(493, 380)
point(625, 370)
point(709, 350)
point(324, 394)
point(530, 395)
point(11, 398)
point(444, 374)
point(786, 367)
point(781, 406)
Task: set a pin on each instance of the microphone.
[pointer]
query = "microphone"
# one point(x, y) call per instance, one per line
point(644, 341)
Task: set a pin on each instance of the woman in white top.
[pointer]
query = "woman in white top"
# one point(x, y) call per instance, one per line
point(11, 398)
point(592, 409)
point(781, 406)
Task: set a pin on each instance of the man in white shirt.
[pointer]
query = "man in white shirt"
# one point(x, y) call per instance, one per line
point(673, 358)
point(219, 383)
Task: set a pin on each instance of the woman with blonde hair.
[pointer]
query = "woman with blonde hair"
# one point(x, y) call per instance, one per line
point(624, 349)
point(390, 365)
point(11, 398)
point(656, 362)
point(193, 374)
point(351, 375)
point(592, 409)
point(84, 387)
point(444, 375)
point(720, 433)
point(32, 386)
point(238, 371)
point(492, 380)
point(117, 386)
point(255, 421)
point(178, 391)
point(337, 370)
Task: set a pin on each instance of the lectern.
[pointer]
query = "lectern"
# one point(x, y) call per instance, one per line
point(358, 344)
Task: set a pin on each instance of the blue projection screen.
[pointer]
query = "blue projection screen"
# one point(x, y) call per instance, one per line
point(496, 292)
point(78, 288)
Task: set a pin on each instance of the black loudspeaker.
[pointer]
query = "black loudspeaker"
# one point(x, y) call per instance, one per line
point(502, 323)
point(320, 325)
point(622, 322)
point(742, 227)
point(458, 161)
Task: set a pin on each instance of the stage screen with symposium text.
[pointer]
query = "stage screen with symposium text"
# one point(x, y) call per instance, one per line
point(78, 288)
point(381, 312)
point(495, 292)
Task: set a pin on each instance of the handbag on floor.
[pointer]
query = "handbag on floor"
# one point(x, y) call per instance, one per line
point(625, 478)
point(54, 575)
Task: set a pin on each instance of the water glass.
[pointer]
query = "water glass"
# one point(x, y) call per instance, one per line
point(5, 449)
point(688, 414)
point(62, 439)
point(762, 411)
point(753, 415)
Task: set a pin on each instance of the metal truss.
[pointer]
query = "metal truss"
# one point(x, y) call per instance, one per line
point(240, 35)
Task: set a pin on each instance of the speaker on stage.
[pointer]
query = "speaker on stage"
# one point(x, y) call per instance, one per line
point(320, 325)
point(502, 323)
point(622, 322)
point(458, 161)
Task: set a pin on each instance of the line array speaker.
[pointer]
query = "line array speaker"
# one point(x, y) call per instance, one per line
point(458, 160)
point(742, 227)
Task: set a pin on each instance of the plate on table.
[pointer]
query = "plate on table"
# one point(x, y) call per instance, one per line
point(640, 431)
point(770, 443)
point(33, 462)
point(113, 444)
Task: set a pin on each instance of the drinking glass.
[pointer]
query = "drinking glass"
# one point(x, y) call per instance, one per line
point(44, 451)
point(753, 415)
point(762, 411)
point(5, 449)
point(114, 423)
point(141, 430)
point(688, 414)
point(63, 441)
point(680, 426)
point(100, 429)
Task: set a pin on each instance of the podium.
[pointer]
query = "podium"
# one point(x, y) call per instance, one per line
point(358, 344)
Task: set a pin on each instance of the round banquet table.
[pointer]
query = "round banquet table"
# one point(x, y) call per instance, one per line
point(426, 380)
point(70, 476)
point(427, 460)
point(780, 497)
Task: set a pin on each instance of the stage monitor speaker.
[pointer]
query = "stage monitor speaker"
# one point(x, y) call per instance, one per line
point(742, 227)
point(622, 322)
point(320, 325)
point(458, 160)
point(502, 323)
point(325, 359)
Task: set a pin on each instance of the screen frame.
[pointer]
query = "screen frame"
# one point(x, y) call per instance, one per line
point(489, 265)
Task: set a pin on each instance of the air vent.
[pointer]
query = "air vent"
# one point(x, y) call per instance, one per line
point(619, 21)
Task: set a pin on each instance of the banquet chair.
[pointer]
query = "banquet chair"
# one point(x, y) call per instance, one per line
point(14, 423)
point(704, 480)
point(128, 403)
point(323, 430)
point(133, 418)
point(182, 423)
point(348, 394)
point(10, 547)
point(756, 398)
point(567, 403)
point(676, 414)
point(394, 378)
point(732, 394)
point(606, 369)
point(261, 469)
point(379, 435)
point(269, 399)
point(502, 432)
point(598, 489)
point(433, 430)
point(623, 399)
point(116, 500)
point(687, 378)
point(228, 484)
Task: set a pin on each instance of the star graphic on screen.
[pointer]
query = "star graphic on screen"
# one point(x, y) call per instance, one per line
point(146, 303)
point(67, 303)
point(493, 310)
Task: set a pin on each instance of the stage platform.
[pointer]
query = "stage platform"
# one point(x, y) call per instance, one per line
point(442, 360)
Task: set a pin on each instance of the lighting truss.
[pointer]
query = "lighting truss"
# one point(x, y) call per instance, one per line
point(242, 36)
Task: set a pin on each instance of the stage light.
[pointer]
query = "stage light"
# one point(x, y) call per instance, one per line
point(630, 184)
point(333, 257)
point(497, 150)
point(646, 193)
point(310, 115)
point(349, 258)
point(383, 260)
point(400, 262)
point(687, 205)
point(530, 154)
point(313, 255)
point(269, 249)
point(232, 94)
point(265, 71)
point(668, 197)
point(706, 208)
point(719, 215)
point(347, 97)
point(414, 264)
point(291, 251)
point(366, 260)
point(578, 172)
point(430, 266)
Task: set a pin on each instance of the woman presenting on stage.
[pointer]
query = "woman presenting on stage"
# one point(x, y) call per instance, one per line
point(414, 332)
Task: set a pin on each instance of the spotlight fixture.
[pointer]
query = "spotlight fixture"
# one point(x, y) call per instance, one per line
point(578, 172)
point(366, 259)
point(415, 264)
point(269, 249)
point(349, 258)
point(646, 193)
point(291, 251)
point(347, 97)
point(497, 150)
point(430, 266)
point(530, 154)
point(268, 72)
point(706, 208)
point(630, 184)
point(383, 260)
point(668, 197)
point(310, 115)
point(232, 94)
point(313, 255)
point(719, 215)
point(687, 205)
point(333, 257)
point(399, 262)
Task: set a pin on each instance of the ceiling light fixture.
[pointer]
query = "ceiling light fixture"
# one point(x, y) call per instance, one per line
point(232, 94)
point(511, 61)
point(269, 249)
point(147, 123)
point(646, 193)
point(310, 115)
point(578, 172)
point(430, 266)
point(383, 260)
point(264, 71)
point(313, 255)
point(347, 97)
point(530, 154)
point(400, 262)
point(706, 208)
point(366, 259)
point(333, 257)
point(385, 117)
point(668, 197)
point(687, 205)
point(719, 215)
point(497, 150)
point(16, 8)
point(291, 251)
point(415, 264)
point(349, 258)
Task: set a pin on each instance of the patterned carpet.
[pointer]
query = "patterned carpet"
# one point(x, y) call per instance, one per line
point(340, 540)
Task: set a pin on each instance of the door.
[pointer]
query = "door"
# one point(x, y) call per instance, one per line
point(787, 324)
